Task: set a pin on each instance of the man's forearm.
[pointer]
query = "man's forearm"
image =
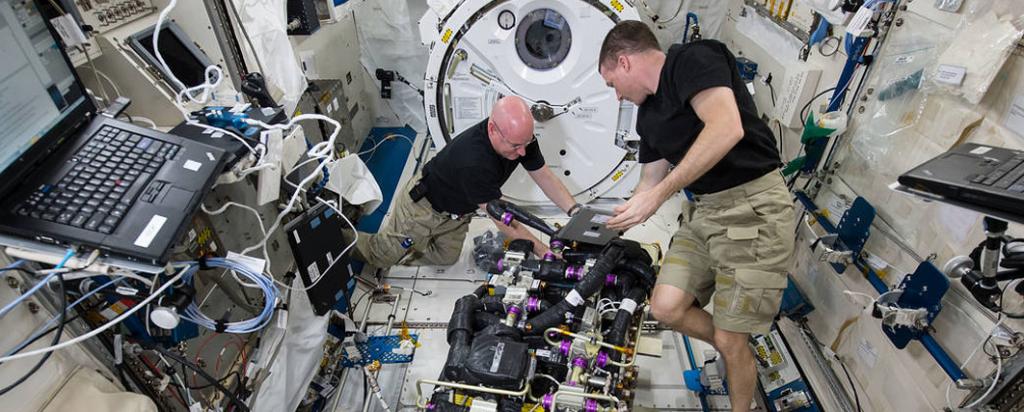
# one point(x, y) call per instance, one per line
point(709, 148)
point(553, 188)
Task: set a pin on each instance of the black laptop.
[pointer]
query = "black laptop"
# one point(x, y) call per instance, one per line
point(71, 176)
point(987, 176)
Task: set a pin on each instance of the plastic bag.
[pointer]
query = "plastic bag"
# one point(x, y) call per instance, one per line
point(488, 248)
point(829, 9)
point(975, 56)
point(265, 22)
point(948, 5)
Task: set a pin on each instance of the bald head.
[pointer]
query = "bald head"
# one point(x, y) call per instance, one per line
point(510, 127)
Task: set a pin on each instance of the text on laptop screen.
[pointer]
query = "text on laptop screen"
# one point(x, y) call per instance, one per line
point(37, 87)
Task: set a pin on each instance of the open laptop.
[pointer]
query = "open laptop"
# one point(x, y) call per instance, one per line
point(70, 176)
point(988, 176)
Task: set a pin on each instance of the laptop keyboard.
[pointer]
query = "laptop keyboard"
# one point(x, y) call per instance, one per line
point(108, 174)
point(1006, 177)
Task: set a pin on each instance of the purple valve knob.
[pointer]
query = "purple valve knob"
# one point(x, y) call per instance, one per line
point(557, 244)
point(501, 265)
point(579, 363)
point(431, 407)
point(566, 346)
point(548, 256)
point(610, 279)
point(547, 401)
point(515, 310)
point(532, 304)
point(590, 406)
point(574, 272)
point(602, 359)
point(506, 218)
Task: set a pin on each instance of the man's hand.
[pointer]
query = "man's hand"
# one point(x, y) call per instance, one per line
point(637, 209)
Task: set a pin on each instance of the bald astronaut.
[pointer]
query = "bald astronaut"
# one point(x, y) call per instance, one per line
point(431, 216)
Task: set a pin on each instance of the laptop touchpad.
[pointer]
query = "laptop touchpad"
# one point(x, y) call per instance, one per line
point(177, 197)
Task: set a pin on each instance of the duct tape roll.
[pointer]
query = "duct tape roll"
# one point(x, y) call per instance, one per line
point(833, 120)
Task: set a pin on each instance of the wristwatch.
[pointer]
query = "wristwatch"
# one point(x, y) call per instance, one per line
point(572, 210)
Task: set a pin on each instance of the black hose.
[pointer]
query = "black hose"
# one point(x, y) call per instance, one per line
point(591, 284)
point(498, 208)
point(462, 316)
point(460, 336)
point(482, 320)
point(642, 273)
point(552, 271)
point(492, 304)
point(624, 319)
point(439, 403)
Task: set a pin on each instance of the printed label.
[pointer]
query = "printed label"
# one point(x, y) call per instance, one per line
point(149, 232)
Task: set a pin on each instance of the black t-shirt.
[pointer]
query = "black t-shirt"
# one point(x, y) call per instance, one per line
point(468, 172)
point(668, 125)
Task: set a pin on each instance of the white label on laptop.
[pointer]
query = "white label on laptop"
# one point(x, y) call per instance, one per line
point(592, 234)
point(601, 219)
point(296, 235)
point(950, 74)
point(314, 273)
point(254, 264)
point(217, 135)
point(208, 131)
point(980, 150)
point(149, 232)
point(211, 156)
point(192, 165)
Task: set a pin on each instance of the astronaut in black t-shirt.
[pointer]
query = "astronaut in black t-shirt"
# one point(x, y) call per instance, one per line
point(699, 130)
point(429, 221)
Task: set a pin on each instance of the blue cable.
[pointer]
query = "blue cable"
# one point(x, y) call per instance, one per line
point(37, 286)
point(265, 283)
point(686, 29)
point(54, 319)
point(16, 265)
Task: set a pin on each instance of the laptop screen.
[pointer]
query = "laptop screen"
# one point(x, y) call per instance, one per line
point(37, 87)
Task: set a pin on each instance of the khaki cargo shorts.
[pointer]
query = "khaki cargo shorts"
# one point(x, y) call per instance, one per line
point(735, 246)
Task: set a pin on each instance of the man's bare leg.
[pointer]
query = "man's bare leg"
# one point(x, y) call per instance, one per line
point(740, 370)
point(675, 308)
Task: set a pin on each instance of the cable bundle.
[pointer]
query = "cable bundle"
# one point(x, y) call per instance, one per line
point(264, 283)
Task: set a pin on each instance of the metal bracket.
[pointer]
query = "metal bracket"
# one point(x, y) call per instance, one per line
point(923, 289)
point(841, 248)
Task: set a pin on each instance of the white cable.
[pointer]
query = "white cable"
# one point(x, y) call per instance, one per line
point(263, 230)
point(323, 150)
point(206, 87)
point(101, 329)
point(149, 122)
point(131, 275)
point(152, 289)
point(995, 380)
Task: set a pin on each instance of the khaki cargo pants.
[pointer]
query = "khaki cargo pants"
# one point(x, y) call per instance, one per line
point(436, 238)
point(735, 245)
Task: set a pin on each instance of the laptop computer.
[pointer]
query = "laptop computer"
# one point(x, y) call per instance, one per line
point(988, 176)
point(71, 176)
